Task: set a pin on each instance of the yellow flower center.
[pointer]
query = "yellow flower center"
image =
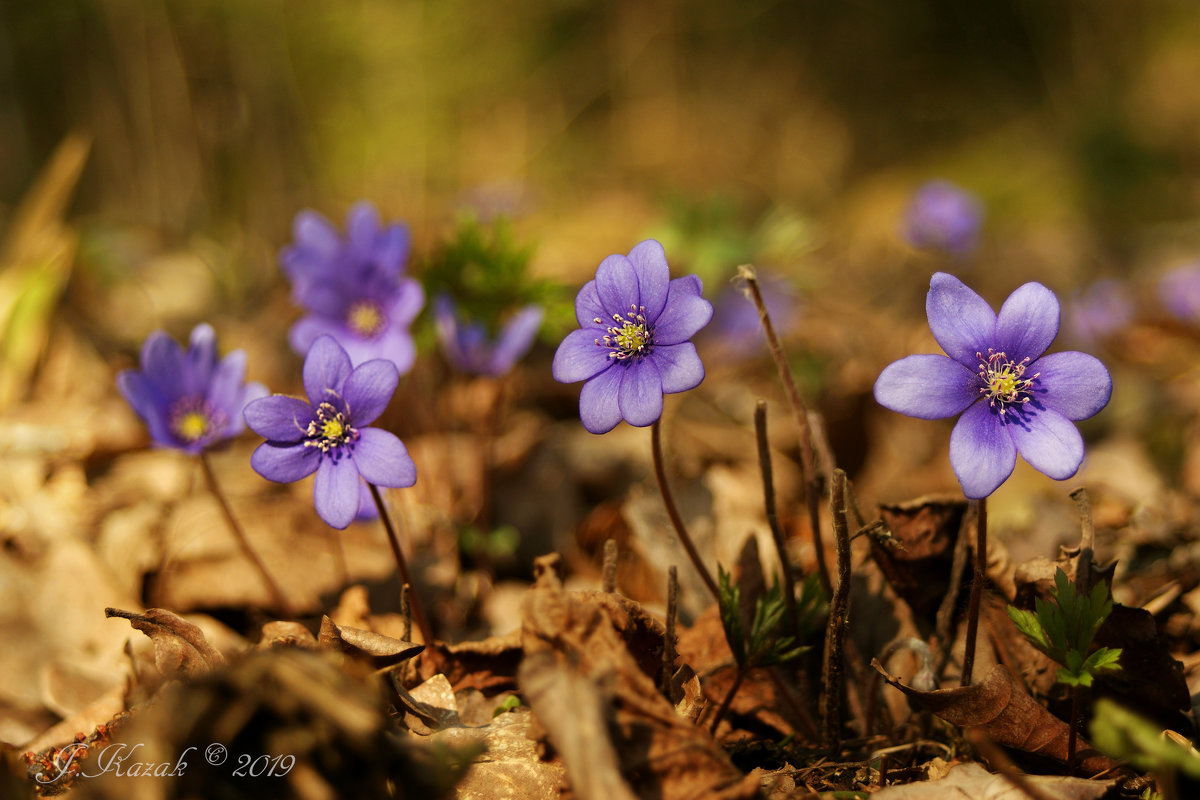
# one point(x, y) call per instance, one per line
point(330, 432)
point(630, 337)
point(191, 419)
point(1004, 381)
point(365, 318)
point(192, 426)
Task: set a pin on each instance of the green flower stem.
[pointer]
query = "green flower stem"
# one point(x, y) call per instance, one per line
point(669, 501)
point(402, 567)
point(277, 594)
point(808, 461)
point(976, 589)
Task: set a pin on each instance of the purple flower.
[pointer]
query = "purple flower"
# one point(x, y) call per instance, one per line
point(1011, 397)
point(942, 216)
point(1100, 310)
point(327, 434)
point(189, 401)
point(1179, 293)
point(469, 349)
point(632, 345)
point(354, 287)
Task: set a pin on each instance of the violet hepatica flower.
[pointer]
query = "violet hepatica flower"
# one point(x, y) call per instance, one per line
point(942, 216)
point(632, 346)
point(189, 401)
point(1099, 311)
point(468, 347)
point(1012, 398)
point(353, 287)
point(327, 433)
point(1179, 293)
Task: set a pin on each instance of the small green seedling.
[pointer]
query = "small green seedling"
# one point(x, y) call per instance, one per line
point(765, 645)
point(1064, 630)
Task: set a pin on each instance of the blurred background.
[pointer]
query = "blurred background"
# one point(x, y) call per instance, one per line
point(155, 154)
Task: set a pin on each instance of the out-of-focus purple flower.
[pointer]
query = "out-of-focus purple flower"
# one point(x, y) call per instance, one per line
point(942, 216)
point(632, 346)
point(353, 287)
point(1179, 293)
point(467, 346)
point(735, 324)
point(326, 434)
point(189, 401)
point(1012, 398)
point(1100, 310)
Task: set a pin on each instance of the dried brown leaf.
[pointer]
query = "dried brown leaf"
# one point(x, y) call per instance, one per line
point(180, 647)
point(1007, 714)
point(379, 649)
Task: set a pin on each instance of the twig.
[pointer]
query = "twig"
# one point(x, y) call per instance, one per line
point(768, 482)
point(839, 607)
point(673, 512)
point(1087, 544)
point(276, 593)
point(800, 412)
point(669, 653)
point(996, 756)
point(402, 566)
point(945, 613)
point(406, 611)
point(976, 589)
point(737, 684)
point(609, 581)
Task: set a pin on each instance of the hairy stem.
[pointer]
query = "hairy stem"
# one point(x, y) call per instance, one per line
point(733, 690)
point(1073, 736)
point(807, 458)
point(277, 594)
point(405, 579)
point(673, 512)
point(976, 589)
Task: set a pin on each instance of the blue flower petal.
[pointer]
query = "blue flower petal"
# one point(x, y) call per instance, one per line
point(588, 308)
point(1047, 440)
point(515, 339)
point(362, 228)
point(679, 366)
point(927, 386)
point(382, 459)
point(315, 233)
point(1074, 384)
point(617, 285)
point(146, 400)
point(598, 408)
point(369, 389)
point(982, 452)
point(404, 305)
point(200, 359)
point(641, 395)
point(579, 358)
point(279, 418)
point(163, 366)
point(336, 493)
point(962, 321)
point(650, 263)
point(1027, 322)
point(326, 368)
point(284, 464)
point(684, 314)
point(227, 385)
point(250, 392)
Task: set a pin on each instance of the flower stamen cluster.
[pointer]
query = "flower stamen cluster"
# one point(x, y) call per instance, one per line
point(365, 318)
point(631, 337)
point(193, 419)
point(329, 431)
point(1004, 381)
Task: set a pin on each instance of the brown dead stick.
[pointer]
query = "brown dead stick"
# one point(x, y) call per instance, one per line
point(839, 608)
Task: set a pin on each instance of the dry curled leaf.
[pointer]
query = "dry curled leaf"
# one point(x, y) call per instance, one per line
point(179, 646)
point(381, 650)
point(1007, 714)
